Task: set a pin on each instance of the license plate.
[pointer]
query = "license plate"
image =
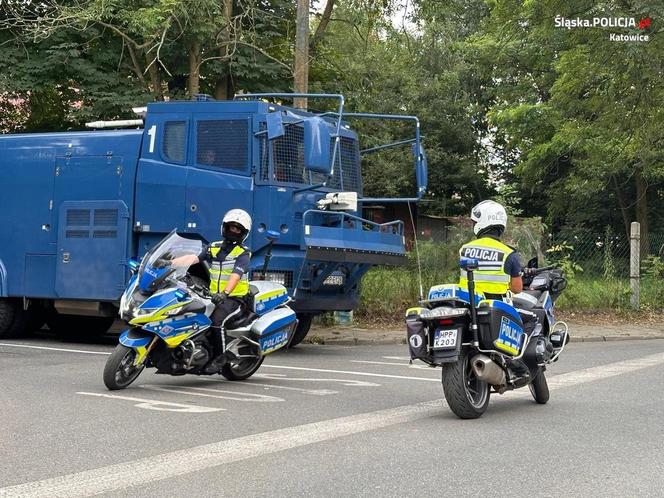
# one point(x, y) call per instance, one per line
point(445, 338)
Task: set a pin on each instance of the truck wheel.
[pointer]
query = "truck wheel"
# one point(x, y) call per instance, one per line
point(14, 320)
point(119, 370)
point(539, 388)
point(302, 329)
point(7, 314)
point(73, 327)
point(467, 396)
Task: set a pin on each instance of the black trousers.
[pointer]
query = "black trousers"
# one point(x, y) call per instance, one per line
point(229, 308)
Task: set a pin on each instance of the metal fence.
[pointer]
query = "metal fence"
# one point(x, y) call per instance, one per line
point(603, 254)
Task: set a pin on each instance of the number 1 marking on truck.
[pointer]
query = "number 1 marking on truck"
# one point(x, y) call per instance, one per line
point(152, 132)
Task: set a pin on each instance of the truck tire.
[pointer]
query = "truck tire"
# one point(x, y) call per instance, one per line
point(74, 327)
point(467, 396)
point(7, 314)
point(14, 320)
point(302, 329)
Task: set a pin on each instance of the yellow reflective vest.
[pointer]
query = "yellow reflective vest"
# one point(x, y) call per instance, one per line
point(491, 255)
point(220, 271)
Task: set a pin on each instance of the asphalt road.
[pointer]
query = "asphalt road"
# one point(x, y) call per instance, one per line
point(327, 421)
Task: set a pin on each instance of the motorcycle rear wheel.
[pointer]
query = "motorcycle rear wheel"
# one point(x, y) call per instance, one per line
point(120, 371)
point(242, 368)
point(539, 388)
point(466, 395)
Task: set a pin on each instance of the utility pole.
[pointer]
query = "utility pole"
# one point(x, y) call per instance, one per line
point(635, 264)
point(301, 69)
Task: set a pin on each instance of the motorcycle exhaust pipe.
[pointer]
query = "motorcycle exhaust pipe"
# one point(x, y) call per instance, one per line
point(488, 370)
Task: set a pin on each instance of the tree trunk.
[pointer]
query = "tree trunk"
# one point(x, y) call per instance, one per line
point(301, 69)
point(155, 77)
point(193, 82)
point(623, 206)
point(642, 210)
point(322, 25)
point(224, 88)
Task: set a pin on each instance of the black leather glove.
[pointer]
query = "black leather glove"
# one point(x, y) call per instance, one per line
point(218, 298)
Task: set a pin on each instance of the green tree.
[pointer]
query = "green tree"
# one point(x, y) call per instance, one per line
point(582, 112)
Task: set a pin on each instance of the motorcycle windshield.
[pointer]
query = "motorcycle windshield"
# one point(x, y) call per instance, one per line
point(157, 262)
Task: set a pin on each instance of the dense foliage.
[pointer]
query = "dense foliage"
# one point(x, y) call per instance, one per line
point(566, 124)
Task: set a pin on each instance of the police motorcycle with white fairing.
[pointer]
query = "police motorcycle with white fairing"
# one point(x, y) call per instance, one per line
point(169, 310)
point(483, 345)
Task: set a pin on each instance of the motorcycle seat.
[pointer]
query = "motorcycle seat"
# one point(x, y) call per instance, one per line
point(524, 301)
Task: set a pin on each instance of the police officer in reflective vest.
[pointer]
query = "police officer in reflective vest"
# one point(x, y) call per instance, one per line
point(499, 266)
point(228, 262)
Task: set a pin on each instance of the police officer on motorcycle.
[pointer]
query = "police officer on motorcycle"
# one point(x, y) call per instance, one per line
point(499, 266)
point(228, 263)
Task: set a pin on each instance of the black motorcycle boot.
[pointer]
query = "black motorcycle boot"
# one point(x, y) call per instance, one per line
point(218, 356)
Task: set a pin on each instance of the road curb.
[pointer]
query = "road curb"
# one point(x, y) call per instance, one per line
point(364, 337)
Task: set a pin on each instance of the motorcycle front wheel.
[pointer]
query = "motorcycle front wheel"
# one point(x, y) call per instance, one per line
point(467, 396)
point(120, 371)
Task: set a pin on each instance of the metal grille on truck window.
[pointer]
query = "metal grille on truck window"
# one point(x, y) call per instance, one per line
point(174, 141)
point(288, 156)
point(263, 159)
point(222, 143)
point(346, 167)
point(77, 234)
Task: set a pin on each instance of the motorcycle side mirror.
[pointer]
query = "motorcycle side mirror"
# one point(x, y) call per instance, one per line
point(558, 285)
point(532, 263)
point(272, 235)
point(469, 264)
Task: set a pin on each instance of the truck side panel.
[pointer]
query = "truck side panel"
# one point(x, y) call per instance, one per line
point(41, 172)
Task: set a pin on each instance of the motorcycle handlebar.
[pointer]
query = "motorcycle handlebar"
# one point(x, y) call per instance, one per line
point(534, 271)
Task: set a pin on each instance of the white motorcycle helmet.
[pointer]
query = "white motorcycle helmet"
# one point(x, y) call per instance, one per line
point(488, 214)
point(239, 217)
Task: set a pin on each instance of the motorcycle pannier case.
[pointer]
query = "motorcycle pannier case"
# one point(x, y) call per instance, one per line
point(418, 339)
point(500, 327)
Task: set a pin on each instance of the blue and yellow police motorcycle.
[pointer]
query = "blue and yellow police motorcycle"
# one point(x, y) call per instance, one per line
point(483, 345)
point(169, 311)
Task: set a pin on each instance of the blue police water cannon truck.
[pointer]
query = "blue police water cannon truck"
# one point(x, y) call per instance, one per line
point(77, 206)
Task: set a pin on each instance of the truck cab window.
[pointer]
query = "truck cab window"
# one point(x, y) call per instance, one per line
point(174, 143)
point(222, 143)
point(288, 156)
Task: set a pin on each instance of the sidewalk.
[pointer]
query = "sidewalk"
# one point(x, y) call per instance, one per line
point(579, 332)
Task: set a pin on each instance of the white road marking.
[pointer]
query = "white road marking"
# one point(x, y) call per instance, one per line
point(349, 372)
point(53, 349)
point(250, 382)
point(344, 382)
point(403, 364)
point(405, 358)
point(212, 393)
point(153, 404)
point(168, 465)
